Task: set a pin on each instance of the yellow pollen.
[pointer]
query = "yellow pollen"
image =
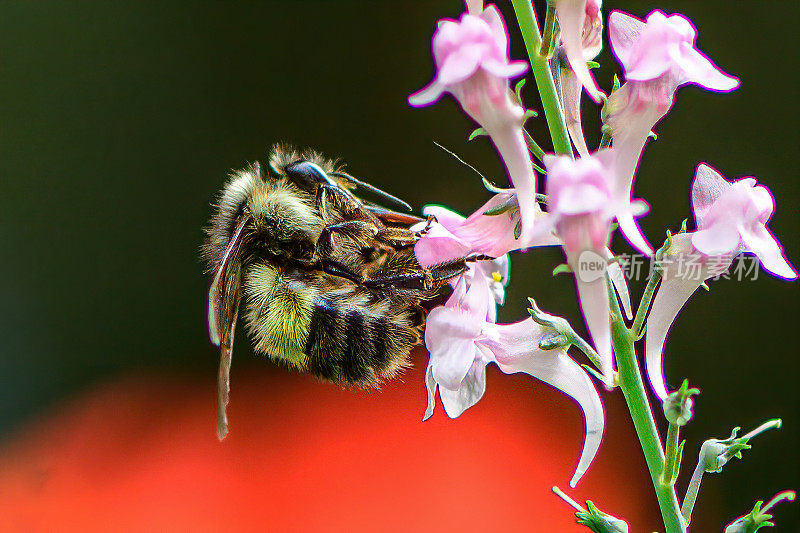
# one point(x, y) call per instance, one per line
point(497, 277)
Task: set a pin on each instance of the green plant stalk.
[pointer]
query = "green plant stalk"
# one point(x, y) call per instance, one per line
point(544, 77)
point(692, 490)
point(630, 382)
point(644, 305)
point(671, 466)
point(546, 50)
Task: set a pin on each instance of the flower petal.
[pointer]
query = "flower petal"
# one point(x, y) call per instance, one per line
point(449, 337)
point(633, 234)
point(427, 95)
point(717, 239)
point(677, 285)
point(623, 32)
point(513, 149)
point(492, 17)
point(437, 247)
point(460, 64)
point(698, 69)
point(571, 91)
point(517, 350)
point(630, 130)
point(671, 296)
point(707, 187)
point(620, 283)
point(761, 242)
point(505, 69)
point(571, 16)
point(447, 218)
point(468, 394)
point(430, 386)
point(593, 298)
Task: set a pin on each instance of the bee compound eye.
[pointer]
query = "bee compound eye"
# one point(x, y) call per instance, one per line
point(308, 174)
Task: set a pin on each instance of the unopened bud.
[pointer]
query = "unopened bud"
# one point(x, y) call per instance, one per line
point(600, 522)
point(758, 517)
point(715, 453)
point(592, 517)
point(678, 405)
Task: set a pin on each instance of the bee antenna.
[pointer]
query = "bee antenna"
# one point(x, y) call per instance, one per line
point(374, 190)
point(457, 158)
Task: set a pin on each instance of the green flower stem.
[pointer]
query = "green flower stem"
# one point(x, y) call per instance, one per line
point(785, 496)
point(644, 305)
point(546, 50)
point(691, 491)
point(560, 493)
point(671, 466)
point(630, 381)
point(544, 78)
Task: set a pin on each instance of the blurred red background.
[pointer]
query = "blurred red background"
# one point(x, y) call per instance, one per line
point(141, 454)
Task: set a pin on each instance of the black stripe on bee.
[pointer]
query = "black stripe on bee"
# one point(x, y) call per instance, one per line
point(350, 345)
point(356, 356)
point(325, 340)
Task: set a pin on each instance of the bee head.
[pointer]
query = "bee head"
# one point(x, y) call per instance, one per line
point(308, 175)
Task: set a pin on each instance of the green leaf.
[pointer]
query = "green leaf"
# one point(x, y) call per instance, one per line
point(518, 89)
point(478, 132)
point(563, 268)
point(529, 113)
point(534, 147)
point(509, 204)
point(491, 187)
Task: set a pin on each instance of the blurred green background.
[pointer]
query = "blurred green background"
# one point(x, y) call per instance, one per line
point(120, 121)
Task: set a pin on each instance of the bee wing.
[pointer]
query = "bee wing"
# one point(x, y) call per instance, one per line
point(224, 296)
point(224, 373)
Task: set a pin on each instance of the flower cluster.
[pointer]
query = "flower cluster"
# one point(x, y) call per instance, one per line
point(586, 199)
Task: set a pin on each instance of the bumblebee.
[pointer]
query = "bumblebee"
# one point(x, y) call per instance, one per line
point(329, 280)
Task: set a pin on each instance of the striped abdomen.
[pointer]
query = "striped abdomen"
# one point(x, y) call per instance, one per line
point(327, 326)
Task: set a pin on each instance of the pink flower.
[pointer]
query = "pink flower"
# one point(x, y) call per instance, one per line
point(472, 64)
point(582, 35)
point(582, 202)
point(658, 56)
point(664, 46)
point(731, 218)
point(462, 342)
point(455, 236)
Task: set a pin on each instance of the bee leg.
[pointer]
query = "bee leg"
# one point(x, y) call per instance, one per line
point(396, 237)
point(426, 278)
point(322, 202)
point(356, 229)
point(342, 200)
point(403, 237)
point(428, 223)
point(478, 257)
point(343, 271)
point(410, 280)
